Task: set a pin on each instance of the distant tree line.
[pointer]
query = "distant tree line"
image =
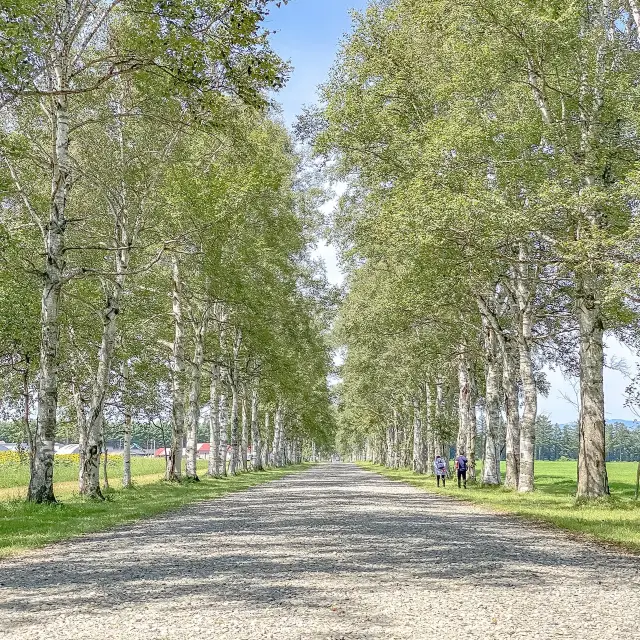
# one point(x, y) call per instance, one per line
point(556, 441)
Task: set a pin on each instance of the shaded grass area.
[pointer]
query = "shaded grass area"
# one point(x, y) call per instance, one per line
point(614, 520)
point(27, 526)
point(66, 469)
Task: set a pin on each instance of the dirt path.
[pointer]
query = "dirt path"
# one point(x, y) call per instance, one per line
point(331, 553)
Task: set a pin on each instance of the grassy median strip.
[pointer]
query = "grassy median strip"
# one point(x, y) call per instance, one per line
point(614, 520)
point(27, 526)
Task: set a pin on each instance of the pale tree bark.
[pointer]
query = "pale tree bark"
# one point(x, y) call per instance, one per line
point(223, 413)
point(195, 389)
point(174, 462)
point(267, 456)
point(592, 472)
point(123, 239)
point(407, 429)
point(525, 296)
point(126, 455)
point(397, 439)
point(90, 485)
point(234, 383)
point(592, 469)
point(278, 437)
point(429, 413)
point(390, 440)
point(244, 440)
point(472, 427)
point(502, 341)
point(491, 469)
point(464, 399)
point(41, 481)
point(213, 469)
point(256, 444)
point(512, 411)
point(234, 444)
point(419, 462)
point(438, 444)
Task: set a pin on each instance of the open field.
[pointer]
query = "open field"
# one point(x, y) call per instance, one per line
point(14, 473)
point(614, 520)
point(26, 526)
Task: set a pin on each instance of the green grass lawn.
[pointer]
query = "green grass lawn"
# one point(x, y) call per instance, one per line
point(614, 520)
point(26, 526)
point(66, 470)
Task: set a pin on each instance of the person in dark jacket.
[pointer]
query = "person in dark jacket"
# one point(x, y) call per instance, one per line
point(461, 469)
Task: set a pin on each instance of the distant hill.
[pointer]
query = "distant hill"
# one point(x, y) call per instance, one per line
point(630, 424)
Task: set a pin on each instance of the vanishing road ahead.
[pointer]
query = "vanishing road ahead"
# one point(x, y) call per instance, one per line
point(330, 553)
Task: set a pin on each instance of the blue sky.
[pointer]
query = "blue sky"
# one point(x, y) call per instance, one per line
point(308, 34)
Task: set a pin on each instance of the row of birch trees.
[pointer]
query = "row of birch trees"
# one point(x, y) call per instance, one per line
point(156, 230)
point(489, 226)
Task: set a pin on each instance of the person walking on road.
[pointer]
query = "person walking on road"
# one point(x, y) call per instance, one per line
point(440, 469)
point(461, 469)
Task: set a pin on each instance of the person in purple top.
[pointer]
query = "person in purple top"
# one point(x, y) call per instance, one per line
point(461, 469)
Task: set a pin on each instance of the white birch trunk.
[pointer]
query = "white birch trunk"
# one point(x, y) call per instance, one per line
point(213, 469)
point(278, 437)
point(429, 413)
point(525, 294)
point(41, 480)
point(464, 399)
point(126, 455)
point(472, 427)
point(419, 462)
point(244, 441)
point(90, 484)
point(438, 445)
point(224, 427)
point(235, 383)
point(512, 445)
point(195, 389)
point(174, 462)
point(491, 469)
point(268, 461)
point(396, 440)
point(234, 445)
point(592, 469)
point(256, 444)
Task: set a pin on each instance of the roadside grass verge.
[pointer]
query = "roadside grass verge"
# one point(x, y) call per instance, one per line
point(26, 526)
point(614, 520)
point(143, 471)
point(65, 469)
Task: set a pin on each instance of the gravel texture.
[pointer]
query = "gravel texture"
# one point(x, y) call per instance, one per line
point(330, 553)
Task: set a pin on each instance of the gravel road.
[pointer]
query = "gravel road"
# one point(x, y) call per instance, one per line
point(331, 553)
